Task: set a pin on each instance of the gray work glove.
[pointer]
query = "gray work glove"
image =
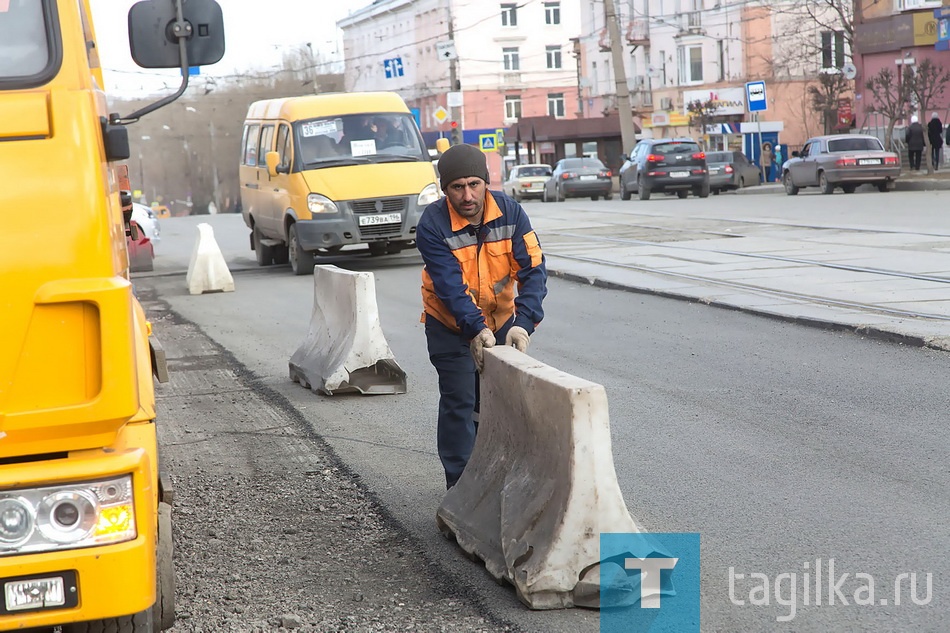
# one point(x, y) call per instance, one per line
point(485, 338)
point(518, 338)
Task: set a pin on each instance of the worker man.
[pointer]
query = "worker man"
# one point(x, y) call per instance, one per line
point(477, 245)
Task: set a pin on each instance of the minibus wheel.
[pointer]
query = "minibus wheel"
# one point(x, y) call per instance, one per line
point(301, 262)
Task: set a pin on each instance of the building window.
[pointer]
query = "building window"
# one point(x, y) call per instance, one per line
point(690, 64)
point(512, 107)
point(552, 12)
point(509, 15)
point(832, 49)
point(556, 104)
point(512, 61)
point(554, 57)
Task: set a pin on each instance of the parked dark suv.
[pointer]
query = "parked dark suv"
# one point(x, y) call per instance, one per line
point(665, 165)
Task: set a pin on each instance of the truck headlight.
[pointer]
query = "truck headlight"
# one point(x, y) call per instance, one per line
point(16, 521)
point(67, 516)
point(429, 195)
point(321, 204)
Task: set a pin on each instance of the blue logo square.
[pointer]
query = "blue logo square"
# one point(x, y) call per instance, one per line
point(649, 582)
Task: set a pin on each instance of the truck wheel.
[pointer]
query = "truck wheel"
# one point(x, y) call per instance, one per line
point(143, 622)
point(164, 608)
point(263, 253)
point(301, 262)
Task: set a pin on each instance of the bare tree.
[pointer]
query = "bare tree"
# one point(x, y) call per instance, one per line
point(928, 86)
point(701, 113)
point(824, 97)
point(890, 97)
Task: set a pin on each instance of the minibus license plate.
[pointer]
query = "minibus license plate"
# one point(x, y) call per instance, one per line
point(382, 218)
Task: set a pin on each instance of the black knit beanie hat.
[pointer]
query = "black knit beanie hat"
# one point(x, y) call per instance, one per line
point(462, 161)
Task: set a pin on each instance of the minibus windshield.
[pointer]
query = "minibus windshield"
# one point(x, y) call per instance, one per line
point(359, 138)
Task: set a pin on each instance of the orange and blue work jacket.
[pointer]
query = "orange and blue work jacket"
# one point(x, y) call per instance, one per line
point(470, 273)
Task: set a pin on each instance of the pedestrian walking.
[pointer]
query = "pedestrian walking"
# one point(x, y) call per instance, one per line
point(477, 245)
point(779, 162)
point(766, 162)
point(935, 136)
point(914, 137)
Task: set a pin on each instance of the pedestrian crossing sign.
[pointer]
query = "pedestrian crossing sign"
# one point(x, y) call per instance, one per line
point(487, 142)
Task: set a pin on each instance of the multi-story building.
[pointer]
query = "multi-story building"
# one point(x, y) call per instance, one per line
point(679, 52)
point(508, 60)
point(895, 35)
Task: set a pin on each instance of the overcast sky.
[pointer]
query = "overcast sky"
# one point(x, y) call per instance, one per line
point(256, 34)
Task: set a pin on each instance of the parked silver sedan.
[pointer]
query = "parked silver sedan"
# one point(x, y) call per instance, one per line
point(526, 181)
point(843, 160)
point(730, 170)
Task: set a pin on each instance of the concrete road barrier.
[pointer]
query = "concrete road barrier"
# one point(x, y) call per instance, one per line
point(345, 349)
point(540, 488)
point(207, 271)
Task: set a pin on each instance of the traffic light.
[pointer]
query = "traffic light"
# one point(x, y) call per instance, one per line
point(456, 133)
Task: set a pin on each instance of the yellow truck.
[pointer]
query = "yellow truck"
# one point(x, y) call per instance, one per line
point(85, 512)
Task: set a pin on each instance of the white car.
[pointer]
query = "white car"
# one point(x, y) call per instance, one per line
point(147, 221)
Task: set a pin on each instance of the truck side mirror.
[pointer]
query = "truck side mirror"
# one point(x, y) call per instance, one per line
point(441, 144)
point(272, 159)
point(154, 40)
point(796, 154)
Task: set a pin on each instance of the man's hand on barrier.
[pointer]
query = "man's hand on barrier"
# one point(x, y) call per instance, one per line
point(485, 338)
point(518, 338)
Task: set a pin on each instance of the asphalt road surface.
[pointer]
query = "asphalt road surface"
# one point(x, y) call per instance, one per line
point(779, 444)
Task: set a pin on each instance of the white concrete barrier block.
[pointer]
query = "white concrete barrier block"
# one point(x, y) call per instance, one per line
point(540, 486)
point(345, 349)
point(207, 271)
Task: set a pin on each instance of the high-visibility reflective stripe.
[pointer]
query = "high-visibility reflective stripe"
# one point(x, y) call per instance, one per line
point(499, 233)
point(462, 240)
point(500, 285)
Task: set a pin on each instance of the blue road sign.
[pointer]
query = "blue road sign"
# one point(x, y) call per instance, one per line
point(755, 95)
point(393, 67)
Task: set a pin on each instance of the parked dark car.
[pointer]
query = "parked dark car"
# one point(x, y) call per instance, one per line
point(730, 170)
point(841, 160)
point(578, 178)
point(665, 165)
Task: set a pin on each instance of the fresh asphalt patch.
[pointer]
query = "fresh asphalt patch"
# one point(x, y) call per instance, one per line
point(272, 530)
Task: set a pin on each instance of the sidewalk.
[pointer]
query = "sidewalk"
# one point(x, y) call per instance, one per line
point(885, 281)
point(908, 181)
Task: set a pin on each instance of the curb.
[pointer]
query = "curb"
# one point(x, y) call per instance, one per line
point(870, 331)
point(916, 184)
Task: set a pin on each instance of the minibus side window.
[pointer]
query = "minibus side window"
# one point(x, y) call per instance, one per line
point(283, 146)
point(267, 135)
point(250, 145)
point(24, 49)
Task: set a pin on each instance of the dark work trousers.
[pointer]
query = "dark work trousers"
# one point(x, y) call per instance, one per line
point(915, 155)
point(935, 156)
point(450, 354)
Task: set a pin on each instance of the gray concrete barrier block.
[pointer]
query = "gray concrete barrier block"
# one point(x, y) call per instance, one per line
point(540, 487)
point(345, 349)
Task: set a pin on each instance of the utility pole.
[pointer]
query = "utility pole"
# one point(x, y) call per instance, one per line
point(454, 111)
point(580, 96)
point(628, 133)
